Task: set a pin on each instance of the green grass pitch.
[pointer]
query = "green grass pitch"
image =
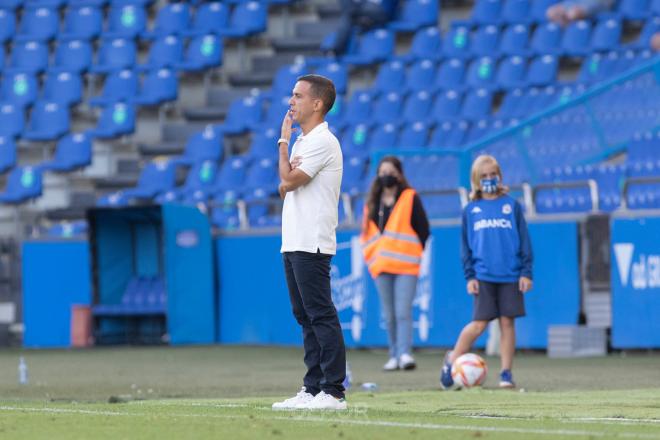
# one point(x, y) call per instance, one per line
point(226, 392)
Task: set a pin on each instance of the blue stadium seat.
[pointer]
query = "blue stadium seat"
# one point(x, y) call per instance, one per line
point(414, 135)
point(387, 108)
point(65, 88)
point(384, 137)
point(164, 52)
point(117, 119)
point(634, 9)
point(225, 217)
point(543, 70)
point(126, 21)
point(262, 144)
point(68, 229)
point(456, 43)
point(7, 25)
point(38, 24)
point(514, 40)
point(12, 119)
point(426, 44)
point(511, 72)
point(258, 207)
point(276, 111)
point(417, 106)
point(547, 39)
point(172, 19)
point(158, 86)
point(210, 18)
point(486, 11)
point(576, 38)
point(115, 54)
point(73, 151)
point(373, 47)
point(337, 73)
point(202, 53)
point(651, 27)
point(7, 153)
point(477, 104)
point(121, 85)
point(449, 135)
point(421, 75)
point(481, 73)
point(82, 23)
point(10, 4)
point(156, 178)
point(512, 103)
point(20, 89)
point(598, 67)
point(23, 184)
point(450, 75)
point(243, 114)
point(285, 79)
point(247, 18)
point(485, 41)
point(446, 107)
point(72, 56)
point(335, 115)
point(204, 145)
point(232, 175)
point(196, 188)
point(354, 173)
point(539, 9)
point(391, 77)
point(48, 121)
point(355, 140)
point(416, 14)
point(261, 174)
point(517, 11)
point(29, 57)
point(607, 35)
point(655, 7)
point(359, 108)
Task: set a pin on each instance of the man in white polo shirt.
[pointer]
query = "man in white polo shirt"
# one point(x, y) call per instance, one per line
point(310, 189)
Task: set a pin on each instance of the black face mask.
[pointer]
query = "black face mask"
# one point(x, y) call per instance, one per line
point(388, 181)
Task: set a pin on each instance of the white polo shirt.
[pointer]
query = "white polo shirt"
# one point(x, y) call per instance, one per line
point(309, 216)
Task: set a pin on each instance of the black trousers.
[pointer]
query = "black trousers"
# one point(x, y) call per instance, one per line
point(308, 279)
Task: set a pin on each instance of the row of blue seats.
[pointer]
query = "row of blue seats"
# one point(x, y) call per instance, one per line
point(42, 23)
point(142, 296)
point(33, 57)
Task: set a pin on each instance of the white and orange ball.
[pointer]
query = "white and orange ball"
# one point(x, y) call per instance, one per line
point(469, 370)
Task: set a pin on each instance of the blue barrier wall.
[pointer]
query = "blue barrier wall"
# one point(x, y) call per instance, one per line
point(56, 275)
point(254, 304)
point(636, 283)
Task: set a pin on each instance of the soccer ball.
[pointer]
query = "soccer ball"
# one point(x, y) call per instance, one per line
point(469, 370)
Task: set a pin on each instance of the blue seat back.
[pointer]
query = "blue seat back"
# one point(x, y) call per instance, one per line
point(12, 119)
point(65, 88)
point(39, 23)
point(127, 20)
point(74, 55)
point(7, 153)
point(19, 88)
point(83, 22)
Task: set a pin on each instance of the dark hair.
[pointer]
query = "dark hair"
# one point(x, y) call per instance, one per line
point(322, 88)
point(376, 190)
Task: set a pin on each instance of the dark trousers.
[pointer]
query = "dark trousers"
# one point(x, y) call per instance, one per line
point(363, 15)
point(308, 279)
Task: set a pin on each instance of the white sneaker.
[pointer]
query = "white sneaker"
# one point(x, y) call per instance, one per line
point(326, 402)
point(303, 397)
point(391, 365)
point(407, 362)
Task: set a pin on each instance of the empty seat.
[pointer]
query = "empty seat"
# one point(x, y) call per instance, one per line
point(634, 9)
point(210, 18)
point(446, 107)
point(387, 108)
point(164, 52)
point(115, 54)
point(485, 41)
point(414, 135)
point(243, 114)
point(159, 86)
point(384, 137)
point(20, 89)
point(204, 145)
point(29, 57)
point(247, 18)
point(543, 70)
point(121, 85)
point(547, 39)
point(416, 14)
point(337, 73)
point(486, 11)
point(373, 47)
point(517, 11)
point(607, 34)
point(64, 87)
point(576, 38)
point(481, 73)
point(7, 25)
point(426, 44)
point(72, 56)
point(359, 108)
point(515, 40)
point(48, 121)
point(203, 52)
point(38, 23)
point(456, 43)
point(511, 72)
point(23, 184)
point(417, 106)
point(117, 119)
point(7, 153)
point(156, 177)
point(477, 104)
point(421, 75)
point(126, 21)
point(391, 77)
point(12, 119)
point(172, 19)
point(72, 152)
point(82, 23)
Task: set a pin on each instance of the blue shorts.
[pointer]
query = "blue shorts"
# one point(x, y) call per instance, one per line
point(498, 299)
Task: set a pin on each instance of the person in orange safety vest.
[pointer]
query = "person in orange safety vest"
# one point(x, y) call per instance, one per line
point(394, 232)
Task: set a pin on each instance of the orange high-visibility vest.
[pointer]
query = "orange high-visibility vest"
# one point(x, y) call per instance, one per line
point(397, 250)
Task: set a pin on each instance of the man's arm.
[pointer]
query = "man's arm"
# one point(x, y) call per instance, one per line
point(290, 178)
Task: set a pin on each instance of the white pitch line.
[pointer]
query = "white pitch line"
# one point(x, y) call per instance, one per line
point(378, 423)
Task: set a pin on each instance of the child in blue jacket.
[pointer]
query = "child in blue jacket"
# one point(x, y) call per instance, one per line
point(497, 262)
